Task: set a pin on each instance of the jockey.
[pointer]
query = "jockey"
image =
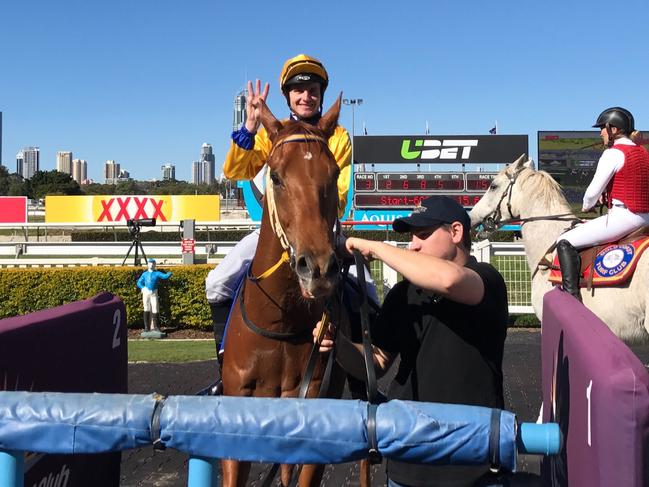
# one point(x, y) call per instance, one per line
point(148, 284)
point(303, 82)
point(622, 182)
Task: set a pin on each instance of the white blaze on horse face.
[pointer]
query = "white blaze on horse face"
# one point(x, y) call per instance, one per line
point(308, 156)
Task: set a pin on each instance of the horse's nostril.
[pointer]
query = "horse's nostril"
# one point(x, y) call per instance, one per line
point(301, 265)
point(333, 267)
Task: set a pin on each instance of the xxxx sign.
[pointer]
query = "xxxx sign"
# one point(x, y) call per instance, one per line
point(120, 209)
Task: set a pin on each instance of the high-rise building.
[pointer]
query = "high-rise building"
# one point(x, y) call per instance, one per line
point(64, 162)
point(80, 170)
point(19, 163)
point(111, 172)
point(239, 110)
point(28, 162)
point(168, 172)
point(207, 164)
point(197, 173)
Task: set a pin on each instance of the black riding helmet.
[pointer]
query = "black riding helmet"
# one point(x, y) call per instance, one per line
point(616, 117)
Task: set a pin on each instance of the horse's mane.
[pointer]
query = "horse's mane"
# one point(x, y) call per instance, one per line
point(542, 189)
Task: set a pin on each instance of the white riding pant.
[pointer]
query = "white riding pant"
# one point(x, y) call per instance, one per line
point(617, 223)
point(222, 281)
point(150, 300)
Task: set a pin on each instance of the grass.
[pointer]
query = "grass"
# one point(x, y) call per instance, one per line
point(157, 351)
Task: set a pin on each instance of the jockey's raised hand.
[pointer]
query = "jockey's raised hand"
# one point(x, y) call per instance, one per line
point(253, 107)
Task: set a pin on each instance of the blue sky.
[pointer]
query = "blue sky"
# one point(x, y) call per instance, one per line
point(146, 82)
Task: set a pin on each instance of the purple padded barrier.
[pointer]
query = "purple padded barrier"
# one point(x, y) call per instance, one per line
point(78, 347)
point(598, 392)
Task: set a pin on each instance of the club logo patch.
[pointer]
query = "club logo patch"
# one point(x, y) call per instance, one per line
point(614, 260)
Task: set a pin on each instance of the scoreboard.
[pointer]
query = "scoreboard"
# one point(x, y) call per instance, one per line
point(405, 190)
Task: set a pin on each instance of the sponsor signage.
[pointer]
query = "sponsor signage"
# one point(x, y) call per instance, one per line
point(443, 149)
point(13, 209)
point(188, 245)
point(120, 209)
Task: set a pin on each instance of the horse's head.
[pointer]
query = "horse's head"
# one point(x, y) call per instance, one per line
point(500, 202)
point(302, 197)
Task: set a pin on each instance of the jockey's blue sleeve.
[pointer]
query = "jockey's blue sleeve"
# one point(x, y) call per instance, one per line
point(243, 138)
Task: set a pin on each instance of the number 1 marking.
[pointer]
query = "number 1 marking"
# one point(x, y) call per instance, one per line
point(588, 391)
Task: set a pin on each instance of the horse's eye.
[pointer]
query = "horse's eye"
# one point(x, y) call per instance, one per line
point(275, 179)
point(492, 187)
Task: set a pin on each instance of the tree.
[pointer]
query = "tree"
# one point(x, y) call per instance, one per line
point(4, 181)
point(53, 183)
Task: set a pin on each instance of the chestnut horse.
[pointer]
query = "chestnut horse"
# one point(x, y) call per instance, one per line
point(293, 273)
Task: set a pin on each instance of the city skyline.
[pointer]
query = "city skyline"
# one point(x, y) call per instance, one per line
point(28, 161)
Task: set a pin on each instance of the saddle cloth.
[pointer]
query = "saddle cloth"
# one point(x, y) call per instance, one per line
point(610, 264)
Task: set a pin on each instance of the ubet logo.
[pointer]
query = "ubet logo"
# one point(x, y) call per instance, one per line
point(448, 150)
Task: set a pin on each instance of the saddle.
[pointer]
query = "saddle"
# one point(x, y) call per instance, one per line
point(606, 265)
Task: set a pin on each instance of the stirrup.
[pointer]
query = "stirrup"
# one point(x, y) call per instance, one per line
point(214, 389)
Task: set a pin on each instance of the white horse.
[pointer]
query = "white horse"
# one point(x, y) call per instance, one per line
point(519, 192)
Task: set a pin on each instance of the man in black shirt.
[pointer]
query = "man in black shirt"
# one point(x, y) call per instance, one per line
point(447, 321)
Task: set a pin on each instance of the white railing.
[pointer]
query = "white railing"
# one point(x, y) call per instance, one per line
point(507, 257)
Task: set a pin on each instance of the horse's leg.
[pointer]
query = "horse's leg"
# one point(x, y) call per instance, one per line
point(311, 475)
point(234, 473)
point(364, 472)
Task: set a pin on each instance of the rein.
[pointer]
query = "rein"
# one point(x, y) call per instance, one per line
point(494, 220)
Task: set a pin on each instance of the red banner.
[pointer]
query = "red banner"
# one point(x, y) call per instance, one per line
point(13, 209)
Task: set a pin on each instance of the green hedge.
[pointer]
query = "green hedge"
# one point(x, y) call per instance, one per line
point(182, 297)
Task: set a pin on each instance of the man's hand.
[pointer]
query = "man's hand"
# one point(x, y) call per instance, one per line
point(327, 343)
point(253, 105)
point(365, 247)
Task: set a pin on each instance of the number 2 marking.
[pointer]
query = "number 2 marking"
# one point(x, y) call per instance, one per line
point(117, 319)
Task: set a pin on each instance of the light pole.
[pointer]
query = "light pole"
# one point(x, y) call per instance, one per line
point(353, 102)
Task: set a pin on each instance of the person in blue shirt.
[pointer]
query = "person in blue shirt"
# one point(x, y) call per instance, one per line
point(148, 283)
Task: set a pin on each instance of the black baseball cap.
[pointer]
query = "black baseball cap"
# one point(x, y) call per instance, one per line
point(434, 210)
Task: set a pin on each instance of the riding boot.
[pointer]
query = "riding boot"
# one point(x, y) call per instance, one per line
point(570, 263)
point(220, 312)
point(154, 322)
point(147, 321)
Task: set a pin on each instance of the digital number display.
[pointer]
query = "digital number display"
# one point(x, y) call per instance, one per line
point(479, 181)
point(364, 181)
point(408, 200)
point(419, 182)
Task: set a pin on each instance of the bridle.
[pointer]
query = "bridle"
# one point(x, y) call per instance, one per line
point(288, 254)
point(494, 220)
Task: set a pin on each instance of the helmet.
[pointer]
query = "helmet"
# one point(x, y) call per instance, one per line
point(303, 69)
point(616, 117)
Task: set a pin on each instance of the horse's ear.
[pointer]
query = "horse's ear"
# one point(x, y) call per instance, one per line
point(329, 120)
point(518, 165)
point(268, 120)
point(529, 164)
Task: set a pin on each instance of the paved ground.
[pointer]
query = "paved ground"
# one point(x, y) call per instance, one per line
point(145, 468)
